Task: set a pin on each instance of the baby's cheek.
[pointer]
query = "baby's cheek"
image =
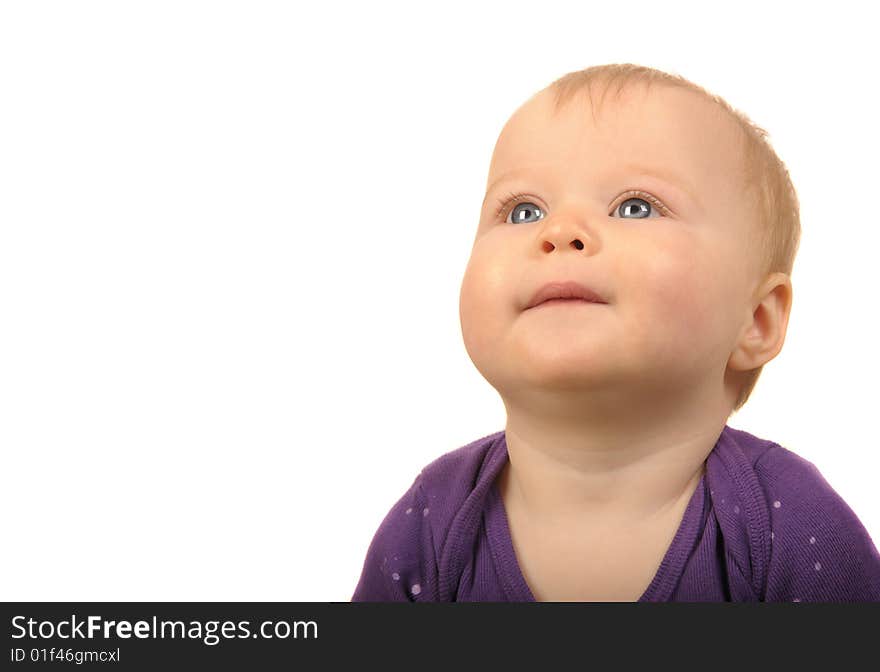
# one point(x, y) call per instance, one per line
point(682, 290)
point(480, 305)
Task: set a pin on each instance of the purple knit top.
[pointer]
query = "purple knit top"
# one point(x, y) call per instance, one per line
point(762, 525)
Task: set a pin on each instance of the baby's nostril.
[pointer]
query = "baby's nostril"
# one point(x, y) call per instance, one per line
point(578, 244)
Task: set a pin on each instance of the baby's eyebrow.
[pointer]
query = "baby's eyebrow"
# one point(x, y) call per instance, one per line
point(671, 178)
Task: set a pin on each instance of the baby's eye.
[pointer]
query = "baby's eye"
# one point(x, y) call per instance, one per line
point(635, 205)
point(638, 207)
point(522, 211)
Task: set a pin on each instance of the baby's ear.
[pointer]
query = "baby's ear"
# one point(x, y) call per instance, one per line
point(763, 334)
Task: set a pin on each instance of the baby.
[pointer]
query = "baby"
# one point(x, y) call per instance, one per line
point(620, 348)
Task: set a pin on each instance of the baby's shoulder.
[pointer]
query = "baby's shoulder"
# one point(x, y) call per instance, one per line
point(821, 551)
point(407, 558)
point(775, 467)
point(455, 475)
point(784, 473)
point(795, 491)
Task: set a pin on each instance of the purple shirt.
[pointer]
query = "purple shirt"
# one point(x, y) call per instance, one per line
point(762, 525)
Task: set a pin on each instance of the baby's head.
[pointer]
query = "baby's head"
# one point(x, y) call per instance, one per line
point(667, 202)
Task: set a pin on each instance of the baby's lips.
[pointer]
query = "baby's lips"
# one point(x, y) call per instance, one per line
point(564, 289)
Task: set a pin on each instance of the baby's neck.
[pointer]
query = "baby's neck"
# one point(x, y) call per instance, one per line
point(624, 484)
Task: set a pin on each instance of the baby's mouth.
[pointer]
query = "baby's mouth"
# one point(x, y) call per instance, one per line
point(569, 302)
point(556, 291)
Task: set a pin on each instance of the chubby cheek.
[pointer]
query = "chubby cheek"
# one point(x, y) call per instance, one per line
point(680, 312)
point(485, 305)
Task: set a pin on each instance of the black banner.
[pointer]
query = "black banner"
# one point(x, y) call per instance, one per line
point(259, 635)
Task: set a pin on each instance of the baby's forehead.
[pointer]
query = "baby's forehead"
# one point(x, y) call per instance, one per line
point(674, 133)
point(661, 117)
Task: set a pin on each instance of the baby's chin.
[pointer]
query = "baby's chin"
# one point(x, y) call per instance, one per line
point(554, 370)
point(561, 350)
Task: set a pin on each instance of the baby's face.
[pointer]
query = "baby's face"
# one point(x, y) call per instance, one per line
point(674, 261)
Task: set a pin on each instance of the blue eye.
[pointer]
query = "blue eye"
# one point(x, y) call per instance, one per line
point(524, 210)
point(636, 205)
point(639, 207)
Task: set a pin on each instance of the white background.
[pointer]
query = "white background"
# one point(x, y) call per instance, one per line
point(232, 237)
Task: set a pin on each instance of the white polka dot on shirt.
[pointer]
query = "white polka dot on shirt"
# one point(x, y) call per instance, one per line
point(425, 511)
point(817, 566)
point(395, 576)
point(409, 510)
point(812, 540)
point(736, 509)
point(416, 589)
point(777, 504)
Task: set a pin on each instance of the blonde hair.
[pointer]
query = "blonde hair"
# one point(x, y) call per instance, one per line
point(765, 176)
